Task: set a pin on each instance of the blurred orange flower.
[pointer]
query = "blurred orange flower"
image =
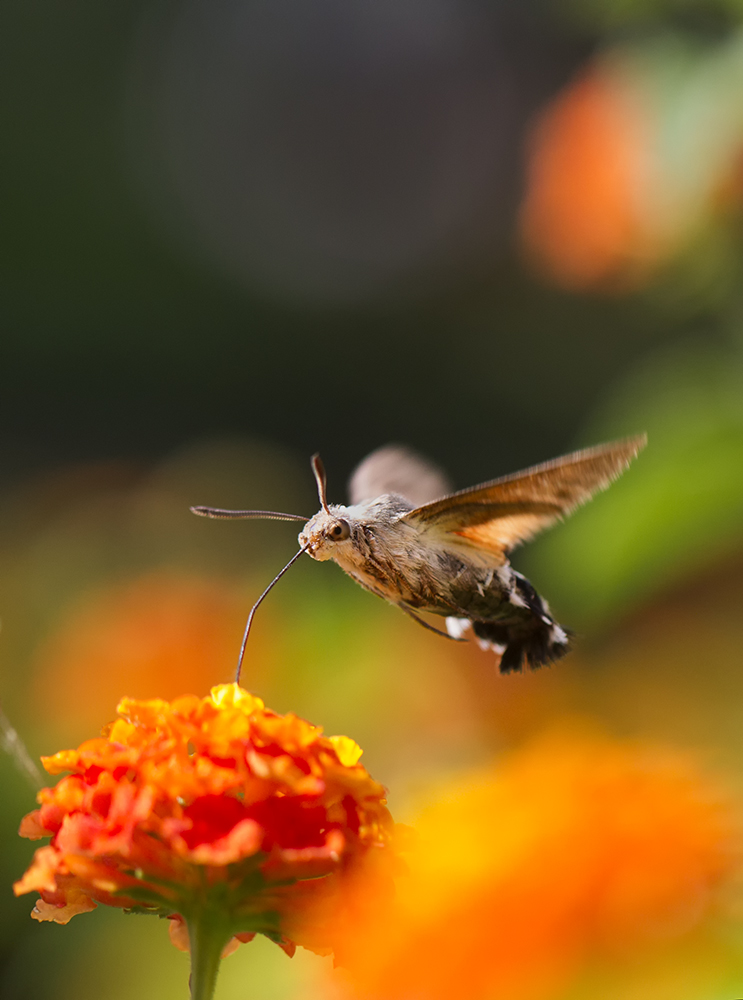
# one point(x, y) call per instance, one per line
point(584, 219)
point(210, 806)
point(155, 635)
point(575, 846)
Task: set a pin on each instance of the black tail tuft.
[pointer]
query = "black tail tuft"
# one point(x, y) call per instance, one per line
point(534, 641)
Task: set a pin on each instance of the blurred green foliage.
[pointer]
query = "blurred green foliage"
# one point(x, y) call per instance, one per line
point(700, 16)
point(678, 511)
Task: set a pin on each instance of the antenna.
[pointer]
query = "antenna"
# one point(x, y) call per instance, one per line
point(322, 481)
point(255, 608)
point(255, 515)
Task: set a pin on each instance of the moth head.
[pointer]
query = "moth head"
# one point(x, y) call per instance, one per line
point(324, 534)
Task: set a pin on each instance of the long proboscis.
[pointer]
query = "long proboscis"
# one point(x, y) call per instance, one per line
point(253, 610)
point(245, 515)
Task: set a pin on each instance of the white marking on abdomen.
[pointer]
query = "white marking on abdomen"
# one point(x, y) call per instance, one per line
point(456, 627)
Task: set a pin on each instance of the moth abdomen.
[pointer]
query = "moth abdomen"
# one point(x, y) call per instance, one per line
point(533, 638)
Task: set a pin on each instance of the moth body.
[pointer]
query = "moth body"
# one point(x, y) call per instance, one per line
point(418, 570)
point(408, 539)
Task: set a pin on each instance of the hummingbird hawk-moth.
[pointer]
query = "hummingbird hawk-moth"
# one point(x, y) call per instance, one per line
point(407, 538)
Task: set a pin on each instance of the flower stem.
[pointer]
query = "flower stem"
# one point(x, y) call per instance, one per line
point(207, 936)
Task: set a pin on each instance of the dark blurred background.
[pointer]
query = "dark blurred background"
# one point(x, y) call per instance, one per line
point(240, 231)
point(288, 220)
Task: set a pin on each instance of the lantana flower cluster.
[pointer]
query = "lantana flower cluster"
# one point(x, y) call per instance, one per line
point(215, 812)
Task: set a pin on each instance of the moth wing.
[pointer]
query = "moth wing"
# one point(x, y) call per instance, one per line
point(499, 515)
point(396, 469)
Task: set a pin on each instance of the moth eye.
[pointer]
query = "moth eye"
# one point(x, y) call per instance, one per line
point(340, 531)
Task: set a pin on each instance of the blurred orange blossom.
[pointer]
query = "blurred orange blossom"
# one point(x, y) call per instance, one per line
point(574, 846)
point(211, 811)
point(155, 635)
point(584, 220)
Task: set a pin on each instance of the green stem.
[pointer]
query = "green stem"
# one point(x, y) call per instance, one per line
point(207, 935)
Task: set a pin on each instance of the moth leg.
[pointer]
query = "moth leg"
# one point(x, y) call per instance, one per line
point(431, 628)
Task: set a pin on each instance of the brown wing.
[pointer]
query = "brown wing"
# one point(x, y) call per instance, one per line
point(396, 469)
point(505, 512)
